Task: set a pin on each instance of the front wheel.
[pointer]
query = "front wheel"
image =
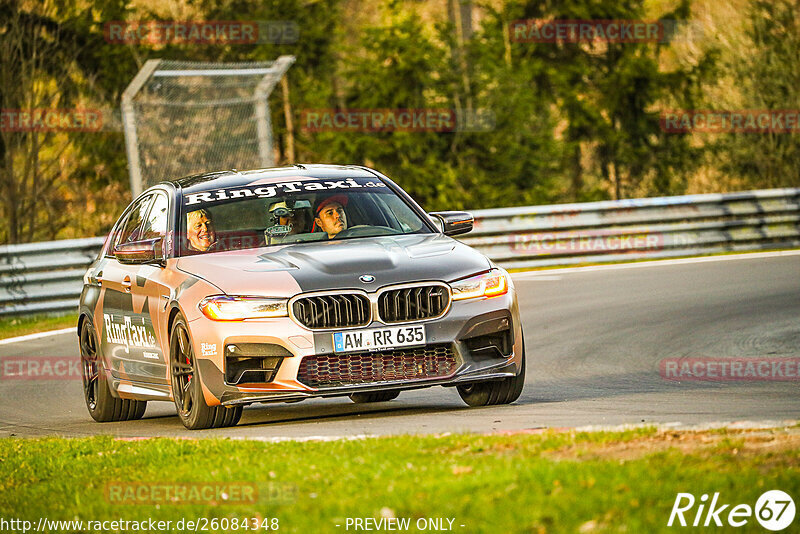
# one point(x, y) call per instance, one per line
point(102, 405)
point(494, 392)
point(193, 411)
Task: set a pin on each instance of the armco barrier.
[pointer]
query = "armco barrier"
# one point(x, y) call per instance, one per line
point(47, 277)
point(567, 234)
point(44, 277)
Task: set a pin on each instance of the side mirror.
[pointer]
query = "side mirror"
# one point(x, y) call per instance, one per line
point(136, 252)
point(454, 222)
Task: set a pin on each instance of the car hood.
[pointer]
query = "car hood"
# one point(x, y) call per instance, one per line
point(288, 269)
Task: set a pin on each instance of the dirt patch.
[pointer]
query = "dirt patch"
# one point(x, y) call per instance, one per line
point(745, 443)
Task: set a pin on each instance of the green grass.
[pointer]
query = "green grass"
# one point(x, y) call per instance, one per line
point(19, 326)
point(548, 482)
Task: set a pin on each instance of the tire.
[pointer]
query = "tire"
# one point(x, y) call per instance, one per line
point(187, 392)
point(494, 392)
point(375, 396)
point(102, 405)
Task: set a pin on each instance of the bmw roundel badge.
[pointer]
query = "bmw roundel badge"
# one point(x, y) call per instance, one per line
point(367, 278)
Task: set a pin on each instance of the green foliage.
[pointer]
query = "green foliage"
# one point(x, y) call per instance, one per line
point(769, 81)
point(571, 121)
point(55, 57)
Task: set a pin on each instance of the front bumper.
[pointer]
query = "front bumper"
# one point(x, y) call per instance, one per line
point(466, 328)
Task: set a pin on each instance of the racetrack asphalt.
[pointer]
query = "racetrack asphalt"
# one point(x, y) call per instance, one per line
point(594, 338)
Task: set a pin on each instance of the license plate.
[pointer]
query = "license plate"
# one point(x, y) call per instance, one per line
point(378, 338)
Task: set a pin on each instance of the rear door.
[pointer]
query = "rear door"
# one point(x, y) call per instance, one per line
point(128, 335)
point(150, 293)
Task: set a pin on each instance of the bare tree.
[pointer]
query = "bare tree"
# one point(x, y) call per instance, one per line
point(38, 72)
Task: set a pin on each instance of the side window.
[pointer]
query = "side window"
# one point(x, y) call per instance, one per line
point(156, 223)
point(131, 230)
point(113, 237)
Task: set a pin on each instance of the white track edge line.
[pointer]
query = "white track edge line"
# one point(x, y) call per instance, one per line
point(654, 263)
point(767, 424)
point(38, 335)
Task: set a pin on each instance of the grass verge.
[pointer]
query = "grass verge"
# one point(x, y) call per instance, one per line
point(20, 326)
point(547, 482)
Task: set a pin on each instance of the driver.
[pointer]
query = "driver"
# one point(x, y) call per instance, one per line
point(200, 231)
point(330, 215)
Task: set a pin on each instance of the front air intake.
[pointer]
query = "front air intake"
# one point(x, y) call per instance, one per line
point(253, 362)
point(337, 370)
point(337, 310)
point(413, 303)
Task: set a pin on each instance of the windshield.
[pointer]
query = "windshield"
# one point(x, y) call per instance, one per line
point(300, 211)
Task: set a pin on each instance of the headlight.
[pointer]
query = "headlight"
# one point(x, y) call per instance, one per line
point(224, 308)
point(491, 284)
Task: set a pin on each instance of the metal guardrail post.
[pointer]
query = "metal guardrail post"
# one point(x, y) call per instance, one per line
point(129, 124)
point(44, 277)
point(633, 229)
point(47, 277)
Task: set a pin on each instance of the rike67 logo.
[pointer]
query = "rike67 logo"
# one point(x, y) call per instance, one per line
point(774, 510)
